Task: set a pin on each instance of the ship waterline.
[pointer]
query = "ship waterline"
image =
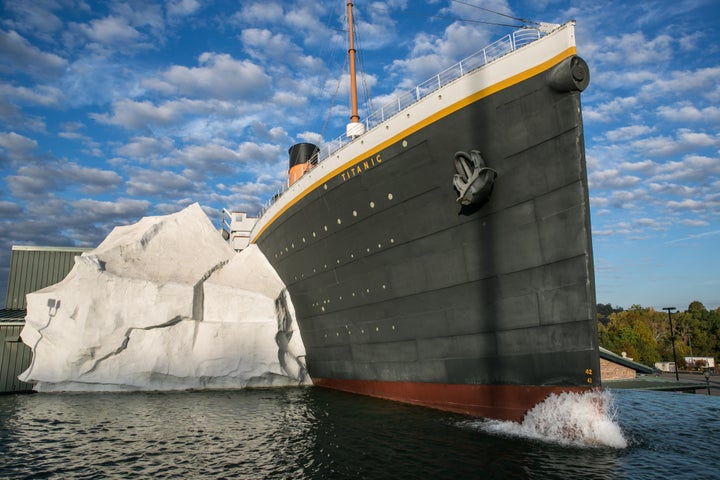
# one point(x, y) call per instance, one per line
point(505, 402)
point(479, 301)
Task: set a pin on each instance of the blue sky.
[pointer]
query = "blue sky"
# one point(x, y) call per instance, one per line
point(110, 111)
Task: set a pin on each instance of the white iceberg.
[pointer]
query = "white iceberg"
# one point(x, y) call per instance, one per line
point(164, 304)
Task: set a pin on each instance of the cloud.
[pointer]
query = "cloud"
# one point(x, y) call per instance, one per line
point(182, 8)
point(264, 45)
point(9, 209)
point(627, 133)
point(14, 147)
point(611, 178)
point(218, 76)
point(607, 111)
point(163, 184)
point(41, 95)
point(698, 81)
point(689, 113)
point(687, 204)
point(36, 179)
point(131, 114)
point(17, 55)
point(691, 168)
point(685, 140)
point(431, 54)
point(36, 18)
point(110, 31)
point(635, 49)
point(259, 12)
point(124, 209)
point(95, 80)
point(145, 147)
point(694, 222)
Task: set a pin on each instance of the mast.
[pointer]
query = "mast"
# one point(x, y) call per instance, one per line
point(354, 128)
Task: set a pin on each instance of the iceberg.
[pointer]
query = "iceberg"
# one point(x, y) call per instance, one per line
point(164, 304)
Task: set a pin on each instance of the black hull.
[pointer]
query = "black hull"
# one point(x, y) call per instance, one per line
point(391, 282)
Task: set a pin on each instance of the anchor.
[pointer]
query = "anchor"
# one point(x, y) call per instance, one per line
point(474, 180)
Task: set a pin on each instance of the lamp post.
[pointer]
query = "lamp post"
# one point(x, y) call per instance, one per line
point(672, 339)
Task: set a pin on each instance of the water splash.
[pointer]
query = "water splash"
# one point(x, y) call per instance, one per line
point(572, 419)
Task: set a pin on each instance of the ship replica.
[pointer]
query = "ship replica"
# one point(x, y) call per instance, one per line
point(440, 253)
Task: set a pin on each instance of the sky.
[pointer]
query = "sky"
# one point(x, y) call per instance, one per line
point(115, 110)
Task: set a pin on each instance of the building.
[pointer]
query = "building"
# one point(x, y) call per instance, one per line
point(619, 367)
point(31, 269)
point(236, 228)
point(698, 363)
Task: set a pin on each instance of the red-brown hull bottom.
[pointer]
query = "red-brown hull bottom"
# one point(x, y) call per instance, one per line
point(503, 402)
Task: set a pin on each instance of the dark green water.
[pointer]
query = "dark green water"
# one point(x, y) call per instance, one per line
point(311, 433)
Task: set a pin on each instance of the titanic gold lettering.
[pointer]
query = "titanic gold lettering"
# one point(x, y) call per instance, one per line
point(361, 167)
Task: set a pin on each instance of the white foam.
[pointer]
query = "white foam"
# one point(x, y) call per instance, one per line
point(574, 419)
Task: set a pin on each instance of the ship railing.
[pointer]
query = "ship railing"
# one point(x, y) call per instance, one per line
point(403, 100)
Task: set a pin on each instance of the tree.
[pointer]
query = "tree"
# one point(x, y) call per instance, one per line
point(644, 333)
point(605, 310)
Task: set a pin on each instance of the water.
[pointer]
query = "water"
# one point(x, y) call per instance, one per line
point(311, 433)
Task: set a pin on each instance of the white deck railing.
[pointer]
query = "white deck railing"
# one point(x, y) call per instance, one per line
point(503, 46)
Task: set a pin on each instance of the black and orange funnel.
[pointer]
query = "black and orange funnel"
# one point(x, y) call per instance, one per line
point(302, 156)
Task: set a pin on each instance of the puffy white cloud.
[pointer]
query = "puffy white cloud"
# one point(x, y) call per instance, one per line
point(120, 208)
point(430, 54)
point(131, 114)
point(636, 49)
point(626, 133)
point(611, 178)
point(605, 112)
point(110, 31)
point(689, 113)
point(219, 76)
point(163, 184)
point(259, 12)
point(18, 55)
point(686, 204)
point(36, 179)
point(42, 95)
point(14, 146)
point(144, 147)
point(181, 8)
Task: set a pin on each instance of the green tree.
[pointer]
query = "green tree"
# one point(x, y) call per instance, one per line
point(644, 333)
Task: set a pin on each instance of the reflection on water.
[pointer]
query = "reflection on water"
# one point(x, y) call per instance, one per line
point(309, 433)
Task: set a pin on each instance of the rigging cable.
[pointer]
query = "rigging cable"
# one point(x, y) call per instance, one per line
point(524, 20)
point(441, 17)
point(327, 73)
point(332, 102)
